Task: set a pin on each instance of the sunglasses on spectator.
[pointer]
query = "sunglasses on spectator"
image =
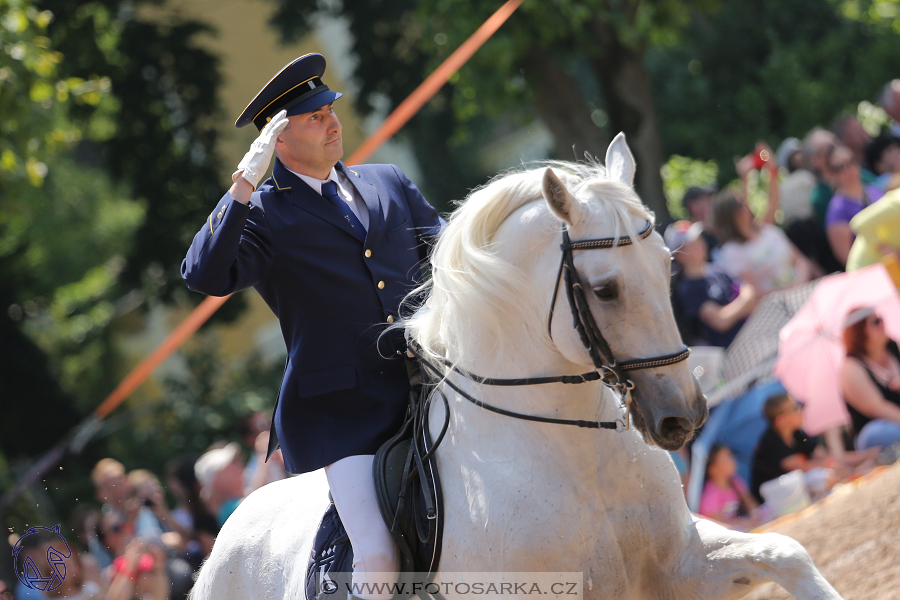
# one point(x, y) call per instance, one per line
point(797, 406)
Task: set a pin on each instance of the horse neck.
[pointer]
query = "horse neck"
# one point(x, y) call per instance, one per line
point(479, 428)
point(510, 452)
point(524, 354)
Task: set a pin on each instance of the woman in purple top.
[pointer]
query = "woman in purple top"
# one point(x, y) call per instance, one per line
point(850, 197)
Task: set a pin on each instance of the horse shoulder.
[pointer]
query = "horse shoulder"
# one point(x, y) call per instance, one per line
point(265, 544)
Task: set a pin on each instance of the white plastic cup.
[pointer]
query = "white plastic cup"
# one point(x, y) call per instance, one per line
point(786, 494)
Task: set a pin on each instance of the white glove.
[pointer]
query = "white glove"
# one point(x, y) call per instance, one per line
point(256, 162)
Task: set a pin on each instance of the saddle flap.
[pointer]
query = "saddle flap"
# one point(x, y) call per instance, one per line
point(409, 498)
point(408, 490)
point(331, 559)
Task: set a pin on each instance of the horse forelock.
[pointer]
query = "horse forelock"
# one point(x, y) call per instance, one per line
point(474, 288)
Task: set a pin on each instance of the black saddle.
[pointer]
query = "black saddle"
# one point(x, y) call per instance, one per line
point(409, 497)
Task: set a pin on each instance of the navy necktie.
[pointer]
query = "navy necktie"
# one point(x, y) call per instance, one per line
point(330, 193)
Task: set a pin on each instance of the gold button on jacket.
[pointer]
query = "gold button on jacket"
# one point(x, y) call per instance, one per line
point(368, 253)
point(390, 319)
point(380, 285)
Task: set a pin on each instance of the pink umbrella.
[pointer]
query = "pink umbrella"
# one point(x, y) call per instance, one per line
point(811, 350)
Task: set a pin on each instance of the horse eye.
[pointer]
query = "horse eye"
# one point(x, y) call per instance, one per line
point(607, 292)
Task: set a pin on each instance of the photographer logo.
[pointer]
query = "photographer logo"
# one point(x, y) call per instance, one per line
point(54, 561)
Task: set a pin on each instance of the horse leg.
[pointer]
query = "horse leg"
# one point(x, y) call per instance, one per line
point(727, 564)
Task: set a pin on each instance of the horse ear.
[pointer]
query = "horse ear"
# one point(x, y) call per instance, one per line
point(620, 161)
point(559, 199)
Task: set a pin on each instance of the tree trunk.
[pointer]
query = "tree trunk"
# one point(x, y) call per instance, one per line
point(629, 101)
point(561, 106)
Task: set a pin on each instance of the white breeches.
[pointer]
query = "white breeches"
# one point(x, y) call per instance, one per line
point(376, 560)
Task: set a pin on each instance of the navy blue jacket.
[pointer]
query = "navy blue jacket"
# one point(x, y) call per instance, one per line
point(344, 390)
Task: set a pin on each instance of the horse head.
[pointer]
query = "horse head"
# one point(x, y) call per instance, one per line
point(626, 288)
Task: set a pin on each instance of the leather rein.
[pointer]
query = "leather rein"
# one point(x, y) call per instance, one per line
point(611, 373)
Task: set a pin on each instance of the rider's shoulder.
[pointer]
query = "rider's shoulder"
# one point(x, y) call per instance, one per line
point(268, 191)
point(376, 170)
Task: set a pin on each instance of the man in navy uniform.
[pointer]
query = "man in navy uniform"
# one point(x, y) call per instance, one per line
point(333, 251)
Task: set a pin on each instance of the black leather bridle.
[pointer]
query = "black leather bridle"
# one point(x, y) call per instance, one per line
point(611, 373)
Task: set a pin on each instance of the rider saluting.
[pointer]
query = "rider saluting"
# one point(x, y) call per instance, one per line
point(332, 251)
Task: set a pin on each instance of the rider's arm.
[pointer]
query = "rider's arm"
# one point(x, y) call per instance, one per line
point(233, 250)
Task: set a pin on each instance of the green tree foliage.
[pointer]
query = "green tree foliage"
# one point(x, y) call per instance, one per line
point(42, 232)
point(769, 70)
point(679, 173)
point(724, 73)
point(107, 168)
point(392, 64)
point(577, 65)
point(159, 138)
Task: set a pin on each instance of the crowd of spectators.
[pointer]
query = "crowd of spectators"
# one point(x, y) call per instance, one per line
point(832, 203)
point(133, 543)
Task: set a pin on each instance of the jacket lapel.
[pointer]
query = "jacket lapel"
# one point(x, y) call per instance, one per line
point(369, 194)
point(303, 197)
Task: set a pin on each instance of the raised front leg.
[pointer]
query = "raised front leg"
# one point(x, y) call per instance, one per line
point(722, 564)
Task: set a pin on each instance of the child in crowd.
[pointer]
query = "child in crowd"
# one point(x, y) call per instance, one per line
point(785, 447)
point(726, 497)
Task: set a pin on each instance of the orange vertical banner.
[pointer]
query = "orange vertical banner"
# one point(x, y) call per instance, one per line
point(169, 345)
point(428, 88)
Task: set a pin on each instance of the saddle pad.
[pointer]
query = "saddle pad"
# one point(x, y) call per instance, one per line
point(331, 559)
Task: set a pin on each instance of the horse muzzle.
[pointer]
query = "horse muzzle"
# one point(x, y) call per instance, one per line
point(664, 412)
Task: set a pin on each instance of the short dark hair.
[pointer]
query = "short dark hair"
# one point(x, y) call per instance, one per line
point(695, 193)
point(774, 404)
point(875, 149)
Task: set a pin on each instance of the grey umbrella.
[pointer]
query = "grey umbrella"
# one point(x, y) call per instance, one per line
point(751, 356)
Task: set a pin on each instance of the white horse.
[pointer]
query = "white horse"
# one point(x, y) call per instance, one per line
point(525, 496)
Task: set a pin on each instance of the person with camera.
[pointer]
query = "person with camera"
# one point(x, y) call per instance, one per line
point(154, 513)
point(755, 250)
point(115, 492)
point(763, 160)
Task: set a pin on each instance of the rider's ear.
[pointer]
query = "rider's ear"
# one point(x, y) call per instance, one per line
point(559, 199)
point(620, 161)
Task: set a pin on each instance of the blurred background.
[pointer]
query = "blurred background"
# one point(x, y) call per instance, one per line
point(117, 138)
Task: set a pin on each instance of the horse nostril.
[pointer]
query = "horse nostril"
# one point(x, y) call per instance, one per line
point(675, 428)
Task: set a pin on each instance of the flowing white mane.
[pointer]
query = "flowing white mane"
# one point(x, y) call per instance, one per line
point(474, 288)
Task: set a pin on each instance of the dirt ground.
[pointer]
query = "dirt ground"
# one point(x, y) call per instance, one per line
point(852, 535)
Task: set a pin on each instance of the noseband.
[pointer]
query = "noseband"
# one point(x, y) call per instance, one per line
point(611, 373)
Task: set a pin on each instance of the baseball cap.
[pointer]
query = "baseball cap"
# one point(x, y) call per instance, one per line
point(208, 466)
point(682, 232)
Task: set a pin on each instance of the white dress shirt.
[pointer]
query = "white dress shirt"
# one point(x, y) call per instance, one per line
point(345, 190)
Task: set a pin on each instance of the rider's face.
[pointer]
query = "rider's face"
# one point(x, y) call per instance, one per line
point(311, 143)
